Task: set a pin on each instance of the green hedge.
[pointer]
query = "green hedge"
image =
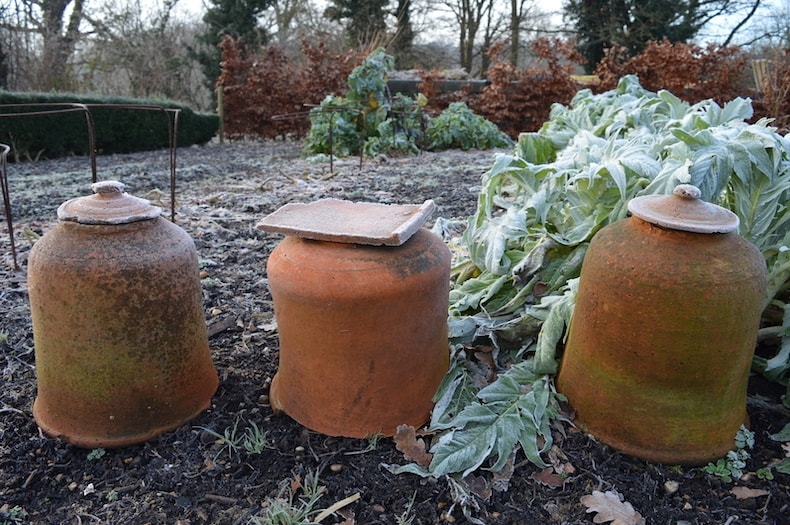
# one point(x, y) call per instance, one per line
point(117, 130)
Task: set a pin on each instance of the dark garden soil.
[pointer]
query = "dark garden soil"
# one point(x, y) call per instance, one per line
point(190, 477)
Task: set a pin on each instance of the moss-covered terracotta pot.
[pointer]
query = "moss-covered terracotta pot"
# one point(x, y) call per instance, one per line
point(664, 330)
point(363, 332)
point(120, 339)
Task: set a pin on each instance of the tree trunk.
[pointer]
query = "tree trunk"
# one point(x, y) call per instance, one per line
point(59, 41)
point(515, 32)
point(404, 37)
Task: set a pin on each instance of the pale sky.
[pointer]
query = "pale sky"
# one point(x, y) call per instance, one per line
point(195, 8)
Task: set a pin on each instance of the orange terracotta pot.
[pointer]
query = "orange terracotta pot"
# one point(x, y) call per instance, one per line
point(363, 332)
point(662, 337)
point(120, 339)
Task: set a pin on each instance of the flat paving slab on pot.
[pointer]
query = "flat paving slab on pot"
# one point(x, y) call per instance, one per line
point(339, 220)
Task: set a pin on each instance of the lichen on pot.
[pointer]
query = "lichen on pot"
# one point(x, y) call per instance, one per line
point(664, 329)
point(120, 339)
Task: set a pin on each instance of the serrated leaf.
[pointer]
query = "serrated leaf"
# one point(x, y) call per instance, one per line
point(513, 410)
point(484, 433)
point(610, 508)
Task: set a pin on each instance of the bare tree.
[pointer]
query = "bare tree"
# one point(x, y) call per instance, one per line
point(142, 52)
point(60, 35)
point(51, 29)
point(404, 35)
point(468, 15)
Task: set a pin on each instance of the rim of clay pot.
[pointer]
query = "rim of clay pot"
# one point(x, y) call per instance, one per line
point(685, 211)
point(109, 204)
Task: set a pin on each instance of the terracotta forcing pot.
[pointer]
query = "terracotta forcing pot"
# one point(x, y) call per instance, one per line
point(363, 332)
point(664, 330)
point(120, 339)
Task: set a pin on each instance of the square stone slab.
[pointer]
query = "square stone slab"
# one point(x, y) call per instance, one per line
point(350, 222)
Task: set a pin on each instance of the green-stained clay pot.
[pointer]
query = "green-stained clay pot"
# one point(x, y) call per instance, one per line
point(120, 339)
point(664, 330)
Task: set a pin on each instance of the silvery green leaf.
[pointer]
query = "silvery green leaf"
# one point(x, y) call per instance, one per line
point(481, 433)
point(454, 393)
point(409, 468)
point(607, 148)
point(783, 435)
point(535, 148)
point(558, 318)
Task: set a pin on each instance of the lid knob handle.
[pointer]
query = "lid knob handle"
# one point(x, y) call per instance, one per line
point(108, 188)
point(687, 191)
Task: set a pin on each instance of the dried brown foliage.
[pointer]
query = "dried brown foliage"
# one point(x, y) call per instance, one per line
point(270, 83)
point(689, 71)
point(438, 99)
point(774, 86)
point(520, 99)
point(269, 93)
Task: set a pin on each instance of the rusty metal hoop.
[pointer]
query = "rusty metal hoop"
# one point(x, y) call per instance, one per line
point(54, 108)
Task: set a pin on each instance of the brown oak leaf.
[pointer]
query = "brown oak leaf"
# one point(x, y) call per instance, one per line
point(611, 508)
point(412, 447)
point(548, 477)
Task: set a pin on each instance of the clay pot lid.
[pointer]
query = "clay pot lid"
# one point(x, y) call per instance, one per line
point(109, 204)
point(344, 221)
point(683, 210)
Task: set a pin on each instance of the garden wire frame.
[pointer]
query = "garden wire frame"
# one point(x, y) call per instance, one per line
point(42, 109)
point(332, 111)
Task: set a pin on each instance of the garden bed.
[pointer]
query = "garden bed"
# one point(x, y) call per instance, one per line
point(193, 476)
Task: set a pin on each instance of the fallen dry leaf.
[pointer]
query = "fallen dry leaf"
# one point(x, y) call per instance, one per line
point(548, 477)
point(479, 486)
point(747, 493)
point(412, 447)
point(559, 461)
point(609, 507)
point(500, 481)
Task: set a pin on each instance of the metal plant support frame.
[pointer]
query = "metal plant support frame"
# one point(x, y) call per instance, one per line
point(171, 116)
point(331, 110)
point(6, 198)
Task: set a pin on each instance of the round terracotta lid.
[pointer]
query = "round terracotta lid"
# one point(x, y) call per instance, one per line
point(683, 210)
point(108, 205)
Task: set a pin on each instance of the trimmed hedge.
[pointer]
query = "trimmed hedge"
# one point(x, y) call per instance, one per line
point(117, 130)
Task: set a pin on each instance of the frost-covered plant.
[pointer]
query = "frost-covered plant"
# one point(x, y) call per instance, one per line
point(368, 120)
point(731, 466)
point(517, 263)
point(459, 127)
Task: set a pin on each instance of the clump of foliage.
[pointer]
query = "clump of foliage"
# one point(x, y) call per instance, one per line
point(295, 503)
point(459, 127)
point(365, 119)
point(517, 262)
point(731, 466)
point(368, 120)
point(691, 72)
